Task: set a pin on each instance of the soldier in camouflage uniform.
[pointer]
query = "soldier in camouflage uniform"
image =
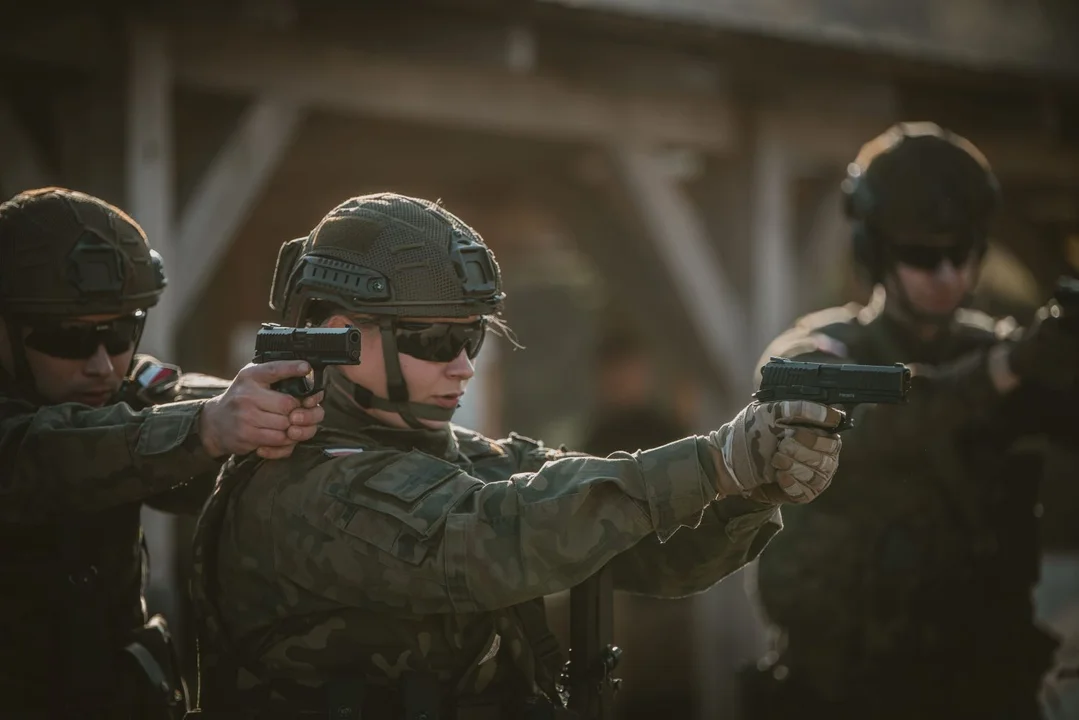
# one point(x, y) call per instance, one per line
point(394, 567)
point(88, 433)
point(914, 597)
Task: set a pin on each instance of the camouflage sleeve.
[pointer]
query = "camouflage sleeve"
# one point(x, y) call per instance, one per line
point(444, 541)
point(73, 458)
point(732, 532)
point(153, 383)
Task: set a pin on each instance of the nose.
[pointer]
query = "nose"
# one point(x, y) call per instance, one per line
point(99, 364)
point(461, 367)
point(947, 271)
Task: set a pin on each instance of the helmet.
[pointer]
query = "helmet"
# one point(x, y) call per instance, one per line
point(68, 253)
point(388, 256)
point(914, 182)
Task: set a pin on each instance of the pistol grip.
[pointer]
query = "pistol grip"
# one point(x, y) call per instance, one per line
point(297, 387)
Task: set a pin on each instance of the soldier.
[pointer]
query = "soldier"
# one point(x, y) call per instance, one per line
point(84, 443)
point(395, 566)
point(906, 591)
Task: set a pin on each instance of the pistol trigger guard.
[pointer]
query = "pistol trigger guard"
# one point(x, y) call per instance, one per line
point(846, 423)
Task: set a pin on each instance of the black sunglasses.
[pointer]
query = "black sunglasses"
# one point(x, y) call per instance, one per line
point(80, 340)
point(930, 257)
point(441, 341)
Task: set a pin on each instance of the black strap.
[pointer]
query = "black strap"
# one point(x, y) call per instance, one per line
point(397, 388)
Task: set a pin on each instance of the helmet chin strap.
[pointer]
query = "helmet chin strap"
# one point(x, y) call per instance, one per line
point(398, 402)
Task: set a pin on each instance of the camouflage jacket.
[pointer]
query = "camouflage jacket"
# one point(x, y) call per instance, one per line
point(72, 481)
point(375, 551)
point(927, 536)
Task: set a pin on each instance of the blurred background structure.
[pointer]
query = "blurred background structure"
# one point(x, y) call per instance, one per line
point(664, 169)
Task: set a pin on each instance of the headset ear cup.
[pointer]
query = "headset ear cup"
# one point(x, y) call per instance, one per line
point(866, 253)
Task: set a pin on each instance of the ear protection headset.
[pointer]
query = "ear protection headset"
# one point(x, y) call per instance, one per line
point(862, 191)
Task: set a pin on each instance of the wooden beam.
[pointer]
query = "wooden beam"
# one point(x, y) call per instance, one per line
point(775, 280)
point(684, 244)
point(227, 193)
point(150, 167)
point(338, 78)
point(21, 165)
point(150, 195)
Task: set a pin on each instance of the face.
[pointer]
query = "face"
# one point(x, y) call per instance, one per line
point(90, 380)
point(428, 382)
point(935, 279)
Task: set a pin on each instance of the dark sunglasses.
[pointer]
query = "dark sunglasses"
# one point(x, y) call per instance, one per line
point(80, 340)
point(930, 257)
point(440, 342)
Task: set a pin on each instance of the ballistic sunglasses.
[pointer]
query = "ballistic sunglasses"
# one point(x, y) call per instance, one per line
point(80, 340)
point(440, 341)
point(930, 257)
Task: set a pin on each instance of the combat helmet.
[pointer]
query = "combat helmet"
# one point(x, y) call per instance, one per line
point(388, 256)
point(66, 254)
point(915, 182)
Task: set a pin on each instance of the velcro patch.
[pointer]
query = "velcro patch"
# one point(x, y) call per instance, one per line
point(157, 375)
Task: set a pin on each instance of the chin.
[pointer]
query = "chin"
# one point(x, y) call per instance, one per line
point(435, 424)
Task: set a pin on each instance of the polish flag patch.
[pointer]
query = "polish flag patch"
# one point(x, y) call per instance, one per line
point(340, 451)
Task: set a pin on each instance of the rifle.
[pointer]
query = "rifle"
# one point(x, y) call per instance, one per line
point(319, 347)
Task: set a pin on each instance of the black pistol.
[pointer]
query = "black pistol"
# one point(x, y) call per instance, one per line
point(844, 385)
point(318, 346)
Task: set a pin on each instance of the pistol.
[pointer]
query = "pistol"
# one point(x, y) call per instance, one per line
point(320, 347)
point(843, 385)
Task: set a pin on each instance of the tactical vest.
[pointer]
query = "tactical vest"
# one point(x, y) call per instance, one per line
point(417, 696)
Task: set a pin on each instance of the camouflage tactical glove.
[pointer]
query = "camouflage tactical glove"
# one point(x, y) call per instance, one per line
point(1047, 352)
point(778, 452)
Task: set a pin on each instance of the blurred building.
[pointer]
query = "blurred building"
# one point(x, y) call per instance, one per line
point(677, 159)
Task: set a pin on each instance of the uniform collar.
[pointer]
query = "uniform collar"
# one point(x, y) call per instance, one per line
point(346, 420)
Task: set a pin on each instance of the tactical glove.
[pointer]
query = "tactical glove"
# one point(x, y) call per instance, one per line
point(777, 452)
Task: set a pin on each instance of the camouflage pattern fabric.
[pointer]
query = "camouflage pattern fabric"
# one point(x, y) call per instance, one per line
point(904, 591)
point(764, 447)
point(72, 482)
point(373, 552)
